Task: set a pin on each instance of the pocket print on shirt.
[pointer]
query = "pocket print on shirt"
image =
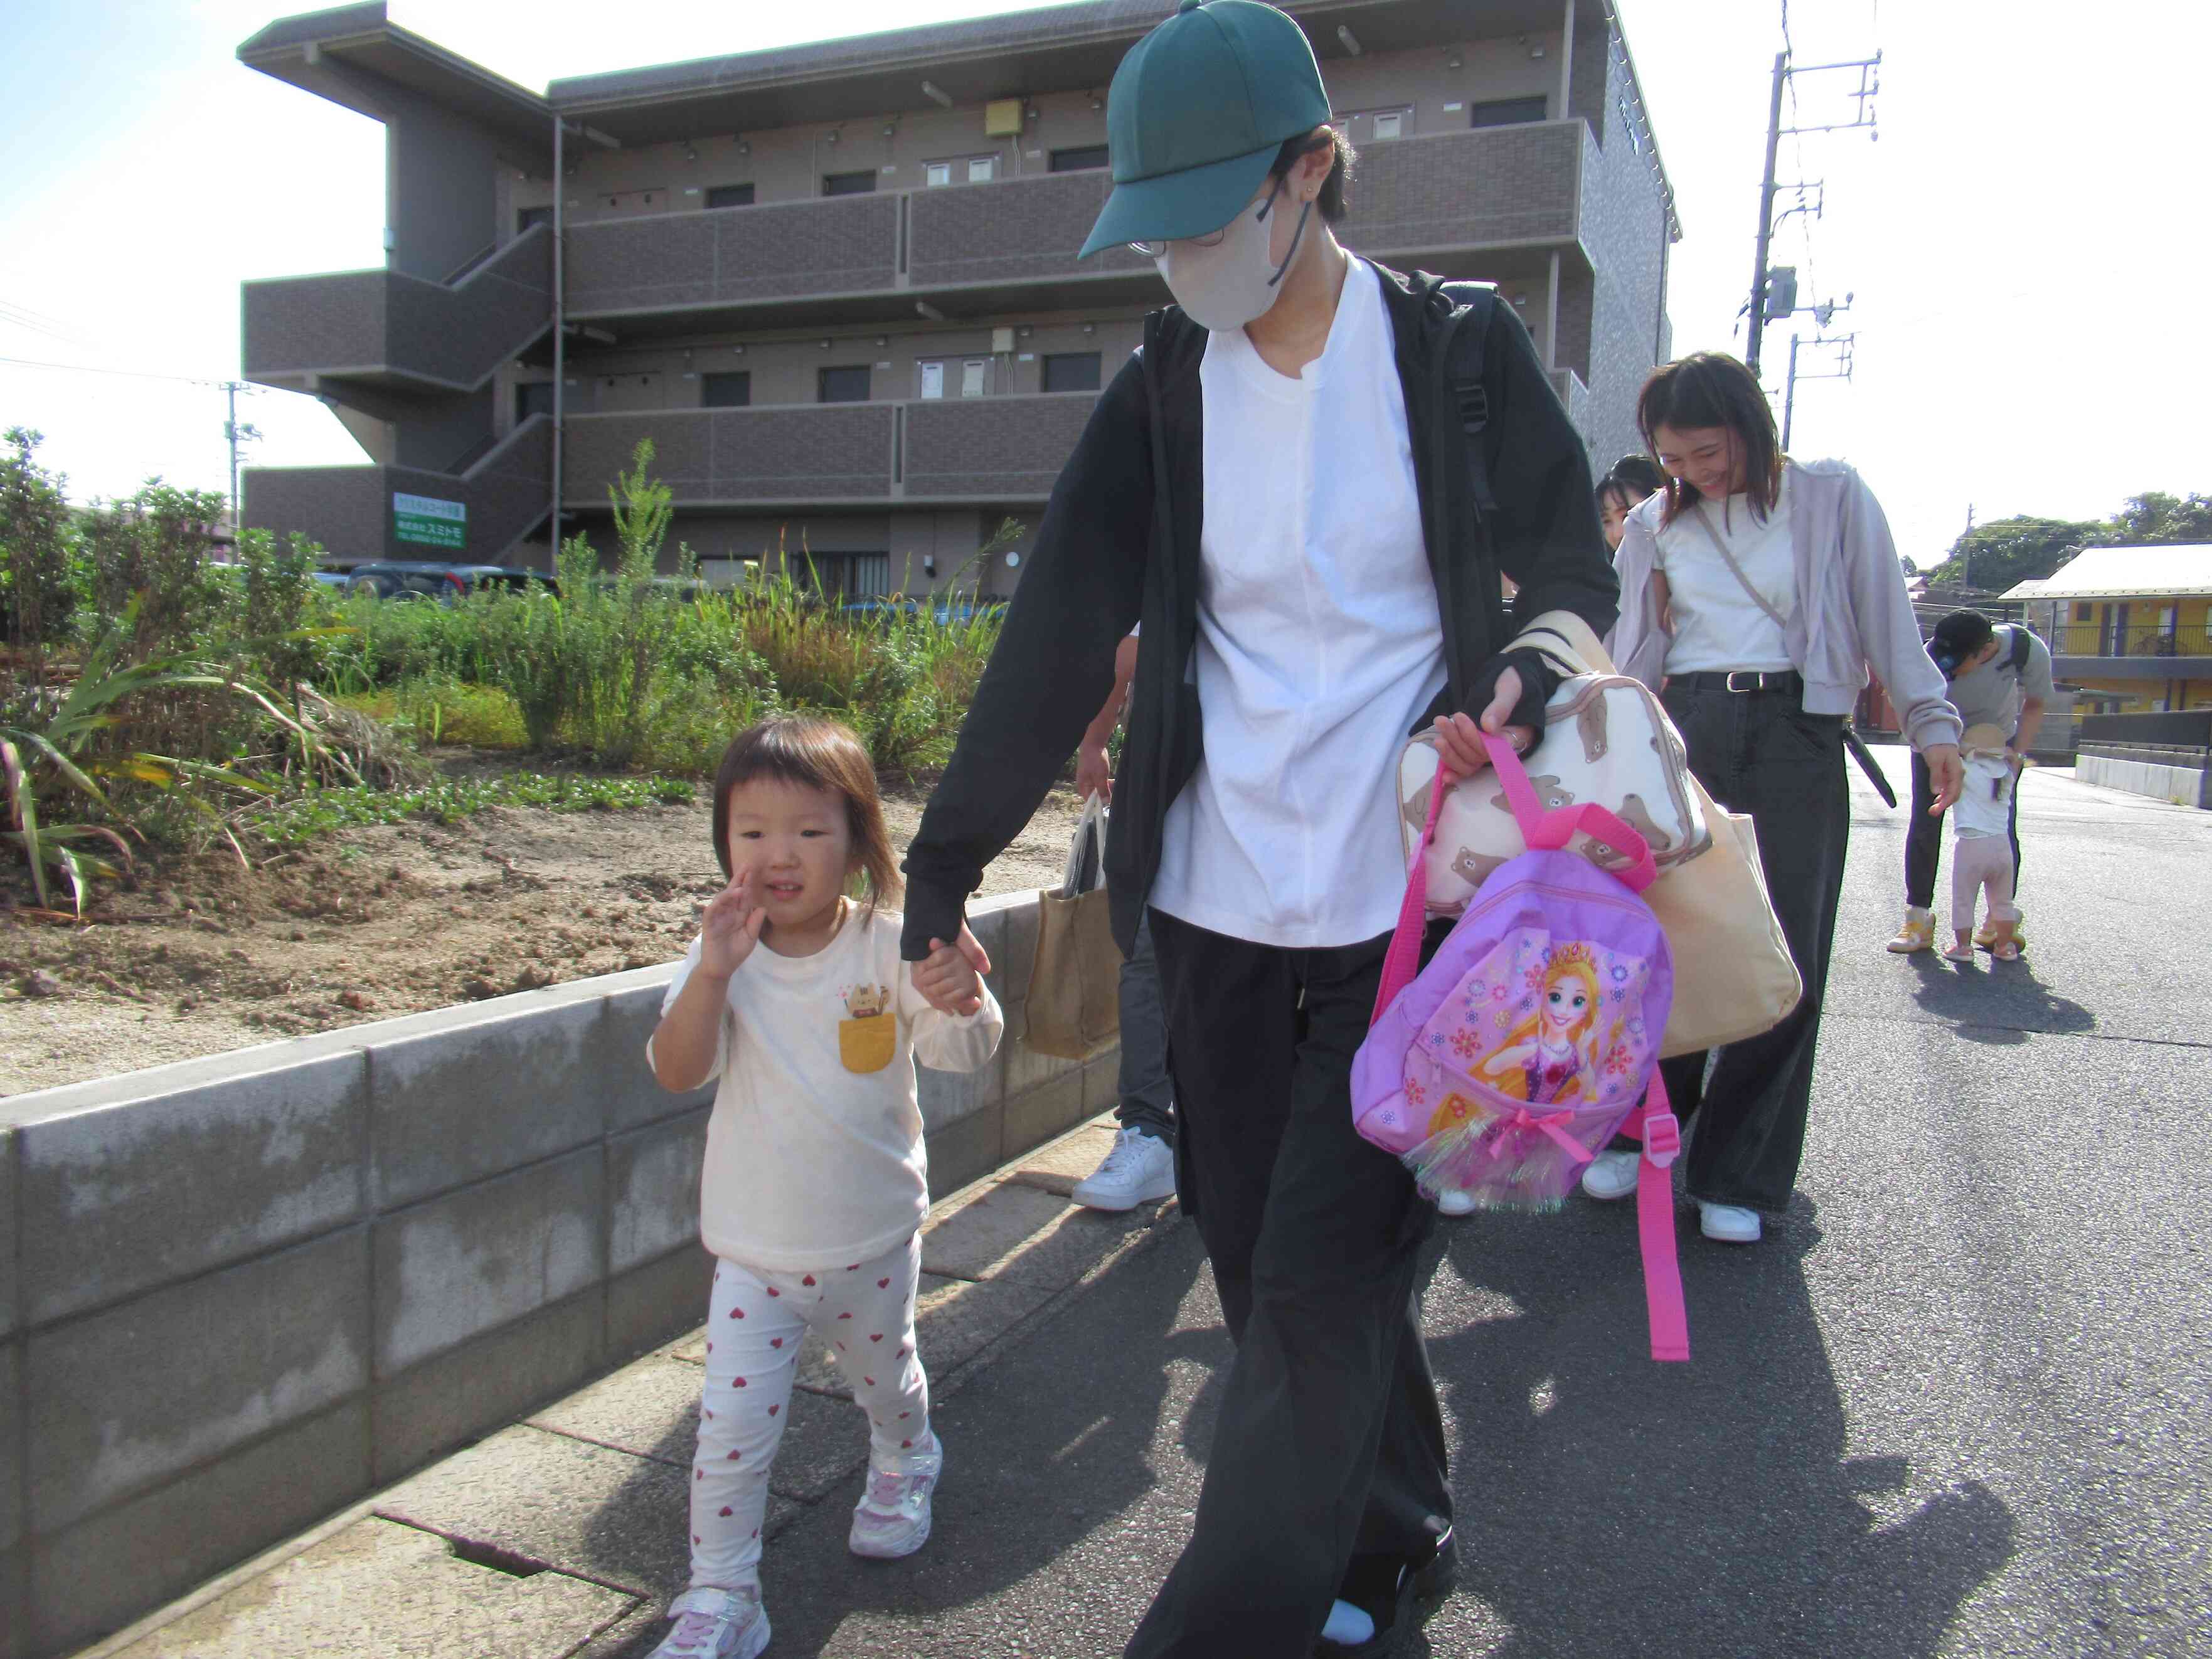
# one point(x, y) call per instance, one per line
point(867, 1045)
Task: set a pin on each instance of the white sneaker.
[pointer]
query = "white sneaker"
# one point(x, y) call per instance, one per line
point(1611, 1175)
point(892, 1517)
point(1452, 1203)
point(716, 1623)
point(1137, 1169)
point(1729, 1224)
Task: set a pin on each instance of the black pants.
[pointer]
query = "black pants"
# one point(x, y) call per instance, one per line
point(1329, 1441)
point(1760, 752)
point(1924, 840)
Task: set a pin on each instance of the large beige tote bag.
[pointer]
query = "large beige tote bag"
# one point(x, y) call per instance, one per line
point(1734, 976)
point(1075, 984)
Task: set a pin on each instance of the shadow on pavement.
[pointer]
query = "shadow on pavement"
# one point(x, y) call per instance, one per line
point(1996, 1002)
point(1611, 1505)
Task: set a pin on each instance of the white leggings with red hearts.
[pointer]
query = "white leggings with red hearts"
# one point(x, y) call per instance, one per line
point(863, 1311)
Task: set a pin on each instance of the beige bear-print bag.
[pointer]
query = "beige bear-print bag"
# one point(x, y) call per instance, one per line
point(1607, 739)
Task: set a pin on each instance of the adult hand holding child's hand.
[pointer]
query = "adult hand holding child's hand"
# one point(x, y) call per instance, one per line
point(951, 977)
point(730, 927)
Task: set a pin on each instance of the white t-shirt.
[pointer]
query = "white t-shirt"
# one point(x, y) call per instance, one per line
point(1717, 625)
point(1984, 806)
point(1319, 642)
point(814, 1150)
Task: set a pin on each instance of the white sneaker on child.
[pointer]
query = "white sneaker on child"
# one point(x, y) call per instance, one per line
point(716, 1623)
point(1137, 1169)
point(1612, 1175)
point(892, 1517)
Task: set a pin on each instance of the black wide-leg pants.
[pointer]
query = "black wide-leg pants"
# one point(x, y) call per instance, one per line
point(1330, 1442)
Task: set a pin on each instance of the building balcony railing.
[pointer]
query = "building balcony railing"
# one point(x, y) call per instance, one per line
point(350, 510)
point(2151, 640)
point(974, 449)
point(1490, 187)
point(397, 333)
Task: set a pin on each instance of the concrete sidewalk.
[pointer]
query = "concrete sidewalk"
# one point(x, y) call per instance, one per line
point(563, 1534)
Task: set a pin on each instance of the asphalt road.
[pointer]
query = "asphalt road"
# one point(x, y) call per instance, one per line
point(1956, 1403)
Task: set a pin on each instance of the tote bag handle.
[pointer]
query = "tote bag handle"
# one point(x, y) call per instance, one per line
point(1540, 830)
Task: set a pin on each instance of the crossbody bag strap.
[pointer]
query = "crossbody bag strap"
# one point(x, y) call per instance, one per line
point(1737, 570)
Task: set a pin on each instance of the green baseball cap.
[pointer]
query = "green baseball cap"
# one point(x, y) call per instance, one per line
point(1198, 109)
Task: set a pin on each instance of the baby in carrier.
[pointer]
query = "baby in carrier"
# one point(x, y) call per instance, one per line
point(1981, 853)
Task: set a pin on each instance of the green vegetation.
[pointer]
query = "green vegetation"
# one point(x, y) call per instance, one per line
point(150, 694)
point(2005, 552)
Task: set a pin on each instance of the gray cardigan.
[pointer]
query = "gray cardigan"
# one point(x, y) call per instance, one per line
point(1852, 610)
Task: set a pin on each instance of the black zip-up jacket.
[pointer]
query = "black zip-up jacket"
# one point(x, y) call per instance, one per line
point(1119, 544)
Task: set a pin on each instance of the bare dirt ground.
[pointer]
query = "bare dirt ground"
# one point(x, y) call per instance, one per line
point(205, 956)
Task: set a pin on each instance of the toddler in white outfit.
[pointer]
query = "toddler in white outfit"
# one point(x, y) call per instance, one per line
point(814, 1182)
point(1981, 851)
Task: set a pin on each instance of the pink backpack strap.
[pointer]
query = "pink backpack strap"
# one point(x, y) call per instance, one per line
point(1402, 962)
point(1654, 1123)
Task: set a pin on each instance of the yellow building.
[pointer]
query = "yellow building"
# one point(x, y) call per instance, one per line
point(2128, 626)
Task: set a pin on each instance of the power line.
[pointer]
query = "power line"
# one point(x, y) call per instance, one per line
point(129, 373)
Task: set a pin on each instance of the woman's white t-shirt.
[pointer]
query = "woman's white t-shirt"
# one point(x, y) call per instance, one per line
point(814, 1149)
point(1716, 624)
point(1319, 647)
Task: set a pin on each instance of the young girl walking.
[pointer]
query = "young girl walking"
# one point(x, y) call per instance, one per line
point(814, 1182)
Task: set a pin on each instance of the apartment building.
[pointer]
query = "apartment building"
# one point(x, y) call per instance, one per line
point(2129, 628)
point(835, 284)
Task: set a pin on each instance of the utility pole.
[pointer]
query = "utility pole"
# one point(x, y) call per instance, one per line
point(1844, 344)
point(236, 435)
point(1765, 216)
point(1869, 84)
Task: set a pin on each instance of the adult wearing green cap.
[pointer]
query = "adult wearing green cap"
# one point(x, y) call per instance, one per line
point(1306, 485)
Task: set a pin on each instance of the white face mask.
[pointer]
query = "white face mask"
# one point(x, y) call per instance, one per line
point(1227, 284)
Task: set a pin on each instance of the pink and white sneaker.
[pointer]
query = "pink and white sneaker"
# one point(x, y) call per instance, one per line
point(716, 1623)
point(892, 1517)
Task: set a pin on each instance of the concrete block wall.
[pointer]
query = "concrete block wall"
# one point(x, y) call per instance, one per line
point(2182, 785)
point(238, 1293)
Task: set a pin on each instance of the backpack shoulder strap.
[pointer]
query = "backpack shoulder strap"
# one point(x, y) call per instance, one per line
point(2023, 647)
point(1467, 308)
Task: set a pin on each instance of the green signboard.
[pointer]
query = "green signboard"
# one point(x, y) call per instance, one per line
point(433, 523)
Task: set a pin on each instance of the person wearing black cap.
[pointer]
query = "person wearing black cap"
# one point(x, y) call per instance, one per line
point(1994, 676)
point(1308, 485)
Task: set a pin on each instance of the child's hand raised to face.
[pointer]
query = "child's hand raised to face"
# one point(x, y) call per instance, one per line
point(730, 927)
point(946, 979)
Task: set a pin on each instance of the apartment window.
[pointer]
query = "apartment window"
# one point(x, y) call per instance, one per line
point(533, 397)
point(961, 170)
point(2082, 611)
point(529, 218)
point(849, 184)
point(1505, 111)
point(845, 384)
point(1083, 158)
point(1071, 371)
point(721, 195)
point(731, 389)
point(1365, 125)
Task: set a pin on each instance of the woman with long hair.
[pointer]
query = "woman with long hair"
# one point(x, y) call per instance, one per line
point(1755, 592)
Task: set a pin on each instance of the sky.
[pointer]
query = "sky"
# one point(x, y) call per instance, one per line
point(2020, 242)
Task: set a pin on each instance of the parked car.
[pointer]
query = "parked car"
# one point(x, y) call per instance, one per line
point(410, 579)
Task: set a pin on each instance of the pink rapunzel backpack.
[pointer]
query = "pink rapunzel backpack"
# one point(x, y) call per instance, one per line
point(1532, 1038)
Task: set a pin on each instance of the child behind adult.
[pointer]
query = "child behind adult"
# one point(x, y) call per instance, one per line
point(814, 1182)
point(1981, 853)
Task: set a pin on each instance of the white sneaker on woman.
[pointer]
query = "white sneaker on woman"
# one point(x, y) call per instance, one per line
point(1137, 1169)
point(1611, 1175)
point(1729, 1224)
point(716, 1623)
